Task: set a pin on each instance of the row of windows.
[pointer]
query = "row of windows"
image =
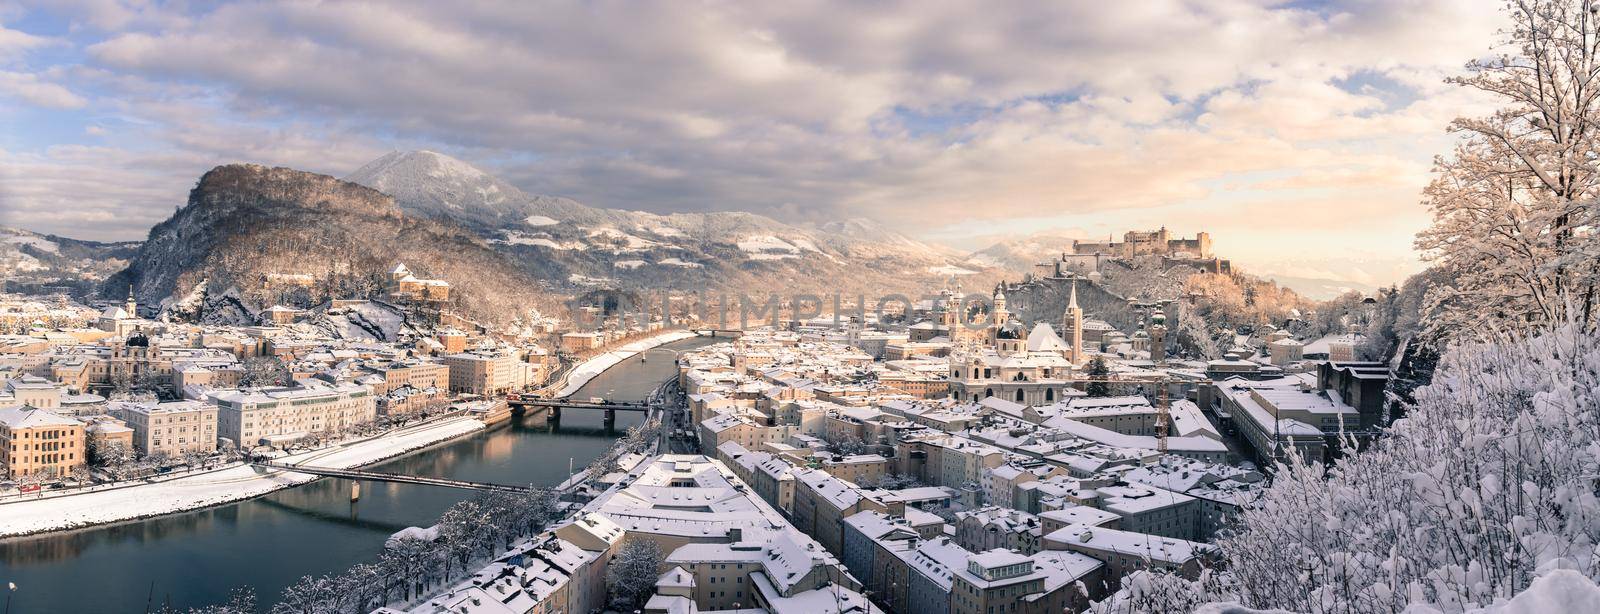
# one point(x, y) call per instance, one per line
point(46, 458)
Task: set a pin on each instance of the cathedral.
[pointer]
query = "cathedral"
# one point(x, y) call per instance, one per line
point(1008, 360)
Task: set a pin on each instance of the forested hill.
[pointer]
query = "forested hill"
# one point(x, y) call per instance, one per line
point(251, 236)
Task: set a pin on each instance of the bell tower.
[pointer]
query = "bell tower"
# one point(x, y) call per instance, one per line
point(131, 306)
point(1072, 320)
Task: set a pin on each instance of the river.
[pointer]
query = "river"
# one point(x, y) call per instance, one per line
point(196, 558)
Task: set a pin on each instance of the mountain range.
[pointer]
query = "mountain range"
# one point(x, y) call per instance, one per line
point(250, 236)
point(575, 245)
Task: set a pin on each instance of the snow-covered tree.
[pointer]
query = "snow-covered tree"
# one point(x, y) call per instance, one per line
point(241, 600)
point(631, 574)
point(310, 595)
point(264, 371)
point(407, 565)
point(1485, 485)
point(1514, 206)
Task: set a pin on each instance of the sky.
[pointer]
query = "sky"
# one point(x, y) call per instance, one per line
point(1299, 134)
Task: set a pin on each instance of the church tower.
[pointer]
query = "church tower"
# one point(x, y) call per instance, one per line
point(999, 315)
point(1072, 320)
point(1158, 337)
point(131, 306)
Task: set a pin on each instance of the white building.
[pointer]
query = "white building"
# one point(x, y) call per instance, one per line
point(273, 416)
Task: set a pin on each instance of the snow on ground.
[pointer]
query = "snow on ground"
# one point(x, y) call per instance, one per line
point(986, 261)
point(24, 262)
point(679, 262)
point(39, 243)
point(1562, 590)
point(807, 245)
point(517, 238)
point(950, 270)
point(205, 489)
point(766, 243)
point(628, 264)
point(631, 243)
point(772, 256)
point(586, 371)
point(666, 231)
point(540, 220)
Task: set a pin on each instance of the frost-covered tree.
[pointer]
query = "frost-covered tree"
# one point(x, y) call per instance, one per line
point(1192, 336)
point(310, 595)
point(631, 574)
point(407, 565)
point(1514, 206)
point(264, 371)
point(1486, 484)
point(461, 529)
point(241, 600)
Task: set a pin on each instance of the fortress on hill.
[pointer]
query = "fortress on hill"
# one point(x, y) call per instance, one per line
point(1091, 256)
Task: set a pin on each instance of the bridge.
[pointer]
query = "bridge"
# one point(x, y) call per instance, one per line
point(524, 401)
point(717, 332)
point(356, 475)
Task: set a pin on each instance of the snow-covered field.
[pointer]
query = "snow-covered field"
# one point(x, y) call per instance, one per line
point(950, 270)
point(582, 373)
point(210, 488)
point(767, 244)
point(541, 220)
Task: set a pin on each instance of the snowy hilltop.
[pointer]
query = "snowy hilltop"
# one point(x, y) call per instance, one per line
point(251, 237)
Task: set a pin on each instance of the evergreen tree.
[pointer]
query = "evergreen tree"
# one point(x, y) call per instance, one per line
point(1099, 372)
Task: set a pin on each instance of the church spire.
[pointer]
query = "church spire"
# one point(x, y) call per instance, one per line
point(1072, 320)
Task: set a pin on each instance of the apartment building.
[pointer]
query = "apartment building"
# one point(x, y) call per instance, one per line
point(36, 442)
point(486, 374)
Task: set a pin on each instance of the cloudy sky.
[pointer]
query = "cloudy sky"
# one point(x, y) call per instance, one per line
point(1298, 133)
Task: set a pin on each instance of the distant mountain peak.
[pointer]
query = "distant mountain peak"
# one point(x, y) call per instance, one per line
point(560, 239)
point(431, 184)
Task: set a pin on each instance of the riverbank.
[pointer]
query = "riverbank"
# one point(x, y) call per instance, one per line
point(589, 369)
point(216, 487)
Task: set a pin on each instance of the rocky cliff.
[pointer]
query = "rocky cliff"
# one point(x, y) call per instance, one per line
point(251, 236)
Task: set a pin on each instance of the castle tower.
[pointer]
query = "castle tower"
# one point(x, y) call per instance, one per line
point(1073, 320)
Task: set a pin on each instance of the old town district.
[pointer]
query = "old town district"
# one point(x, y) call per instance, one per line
point(940, 469)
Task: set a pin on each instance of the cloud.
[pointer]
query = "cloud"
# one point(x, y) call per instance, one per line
point(938, 118)
point(33, 90)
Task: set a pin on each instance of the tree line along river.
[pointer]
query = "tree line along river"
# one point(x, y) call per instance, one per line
point(196, 558)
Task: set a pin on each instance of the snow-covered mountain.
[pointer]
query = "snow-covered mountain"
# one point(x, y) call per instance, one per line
point(252, 236)
point(567, 242)
point(1019, 255)
point(30, 261)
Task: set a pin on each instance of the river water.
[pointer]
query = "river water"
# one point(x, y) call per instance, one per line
point(196, 558)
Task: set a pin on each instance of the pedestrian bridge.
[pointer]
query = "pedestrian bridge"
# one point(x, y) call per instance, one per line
point(376, 476)
point(522, 402)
